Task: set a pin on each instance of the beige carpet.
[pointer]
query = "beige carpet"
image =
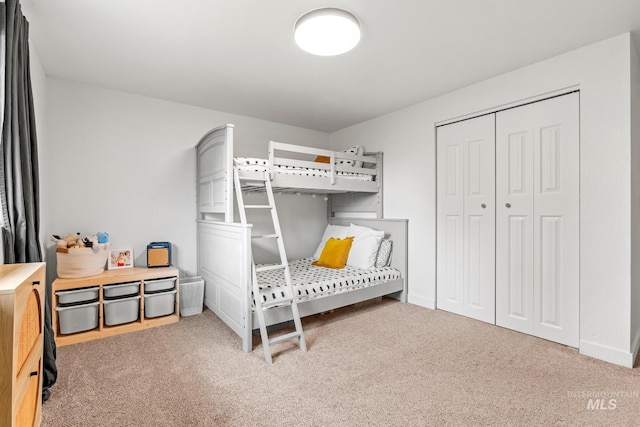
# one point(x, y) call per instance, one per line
point(380, 364)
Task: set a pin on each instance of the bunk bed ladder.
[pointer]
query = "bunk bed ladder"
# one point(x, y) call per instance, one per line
point(289, 298)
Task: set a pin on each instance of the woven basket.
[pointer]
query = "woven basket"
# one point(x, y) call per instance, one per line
point(81, 262)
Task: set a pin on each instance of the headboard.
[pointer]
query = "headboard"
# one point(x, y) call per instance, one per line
point(396, 230)
point(215, 173)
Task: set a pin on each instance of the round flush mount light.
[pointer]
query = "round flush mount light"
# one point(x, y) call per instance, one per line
point(327, 32)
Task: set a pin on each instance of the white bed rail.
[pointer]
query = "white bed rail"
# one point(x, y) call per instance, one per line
point(304, 157)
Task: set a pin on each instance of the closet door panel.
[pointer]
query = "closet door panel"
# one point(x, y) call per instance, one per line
point(556, 210)
point(450, 217)
point(466, 218)
point(537, 283)
point(519, 275)
point(514, 219)
point(550, 271)
point(453, 260)
point(479, 213)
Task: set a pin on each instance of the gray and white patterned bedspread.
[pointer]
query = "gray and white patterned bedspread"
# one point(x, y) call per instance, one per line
point(259, 165)
point(312, 282)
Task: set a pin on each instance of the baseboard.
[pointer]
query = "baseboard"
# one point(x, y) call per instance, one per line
point(635, 346)
point(608, 354)
point(422, 301)
point(209, 304)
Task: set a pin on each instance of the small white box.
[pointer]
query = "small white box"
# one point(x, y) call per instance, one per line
point(156, 285)
point(121, 310)
point(121, 289)
point(78, 318)
point(73, 296)
point(160, 303)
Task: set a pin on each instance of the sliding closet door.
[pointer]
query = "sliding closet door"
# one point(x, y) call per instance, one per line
point(537, 217)
point(466, 218)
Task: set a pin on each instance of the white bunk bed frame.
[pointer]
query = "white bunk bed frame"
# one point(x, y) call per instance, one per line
point(224, 247)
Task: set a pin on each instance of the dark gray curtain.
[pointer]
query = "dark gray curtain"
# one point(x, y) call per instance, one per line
point(19, 191)
point(19, 169)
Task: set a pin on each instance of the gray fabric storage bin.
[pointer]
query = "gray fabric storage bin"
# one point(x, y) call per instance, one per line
point(73, 296)
point(121, 289)
point(78, 318)
point(160, 303)
point(157, 285)
point(121, 310)
point(191, 295)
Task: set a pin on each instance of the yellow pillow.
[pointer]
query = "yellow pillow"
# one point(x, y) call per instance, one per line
point(323, 159)
point(335, 253)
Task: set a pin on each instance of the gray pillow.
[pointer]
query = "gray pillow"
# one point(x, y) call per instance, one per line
point(383, 258)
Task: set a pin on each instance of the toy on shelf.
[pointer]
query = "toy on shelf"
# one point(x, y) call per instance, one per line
point(67, 241)
point(81, 257)
point(73, 240)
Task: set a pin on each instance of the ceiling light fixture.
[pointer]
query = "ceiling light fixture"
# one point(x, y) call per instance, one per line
point(327, 32)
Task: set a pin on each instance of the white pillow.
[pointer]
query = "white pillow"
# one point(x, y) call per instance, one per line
point(358, 151)
point(364, 249)
point(335, 231)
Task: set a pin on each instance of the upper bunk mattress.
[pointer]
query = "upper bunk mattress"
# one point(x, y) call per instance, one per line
point(311, 282)
point(260, 165)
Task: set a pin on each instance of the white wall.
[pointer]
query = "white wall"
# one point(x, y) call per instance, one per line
point(602, 73)
point(635, 200)
point(125, 164)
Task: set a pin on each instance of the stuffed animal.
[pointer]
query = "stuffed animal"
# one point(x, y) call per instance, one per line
point(67, 241)
point(90, 241)
point(102, 237)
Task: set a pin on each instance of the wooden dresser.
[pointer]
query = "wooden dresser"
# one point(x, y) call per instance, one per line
point(22, 300)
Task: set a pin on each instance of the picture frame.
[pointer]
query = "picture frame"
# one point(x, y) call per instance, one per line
point(120, 258)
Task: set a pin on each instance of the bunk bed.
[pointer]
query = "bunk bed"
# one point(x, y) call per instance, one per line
point(224, 246)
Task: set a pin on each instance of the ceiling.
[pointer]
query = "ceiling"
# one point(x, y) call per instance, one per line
point(239, 56)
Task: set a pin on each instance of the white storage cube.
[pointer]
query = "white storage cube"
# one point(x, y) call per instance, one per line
point(78, 318)
point(121, 289)
point(73, 296)
point(156, 285)
point(121, 310)
point(160, 303)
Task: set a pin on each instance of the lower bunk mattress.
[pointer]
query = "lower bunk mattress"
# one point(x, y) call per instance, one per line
point(310, 282)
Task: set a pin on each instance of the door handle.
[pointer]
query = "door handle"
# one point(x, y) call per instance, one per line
point(483, 206)
point(508, 205)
